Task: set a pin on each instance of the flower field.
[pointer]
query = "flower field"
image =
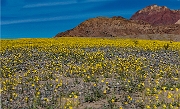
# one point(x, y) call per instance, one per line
point(89, 73)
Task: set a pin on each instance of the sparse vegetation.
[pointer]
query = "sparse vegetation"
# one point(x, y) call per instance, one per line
point(89, 73)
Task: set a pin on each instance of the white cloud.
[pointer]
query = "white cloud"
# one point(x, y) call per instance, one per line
point(38, 20)
point(87, 15)
point(61, 3)
point(49, 4)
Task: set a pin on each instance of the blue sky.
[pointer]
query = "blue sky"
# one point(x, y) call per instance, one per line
point(46, 18)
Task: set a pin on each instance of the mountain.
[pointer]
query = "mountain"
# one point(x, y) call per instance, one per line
point(107, 27)
point(120, 27)
point(116, 26)
point(157, 15)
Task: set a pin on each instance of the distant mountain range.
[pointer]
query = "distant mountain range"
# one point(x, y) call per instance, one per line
point(150, 20)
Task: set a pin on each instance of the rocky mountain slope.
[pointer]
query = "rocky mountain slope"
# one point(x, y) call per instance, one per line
point(178, 22)
point(117, 26)
point(157, 15)
point(120, 27)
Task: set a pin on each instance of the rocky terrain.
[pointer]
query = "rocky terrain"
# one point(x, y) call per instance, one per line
point(142, 22)
point(157, 15)
point(178, 22)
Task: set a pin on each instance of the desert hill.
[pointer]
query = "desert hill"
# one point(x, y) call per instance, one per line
point(120, 27)
point(117, 26)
